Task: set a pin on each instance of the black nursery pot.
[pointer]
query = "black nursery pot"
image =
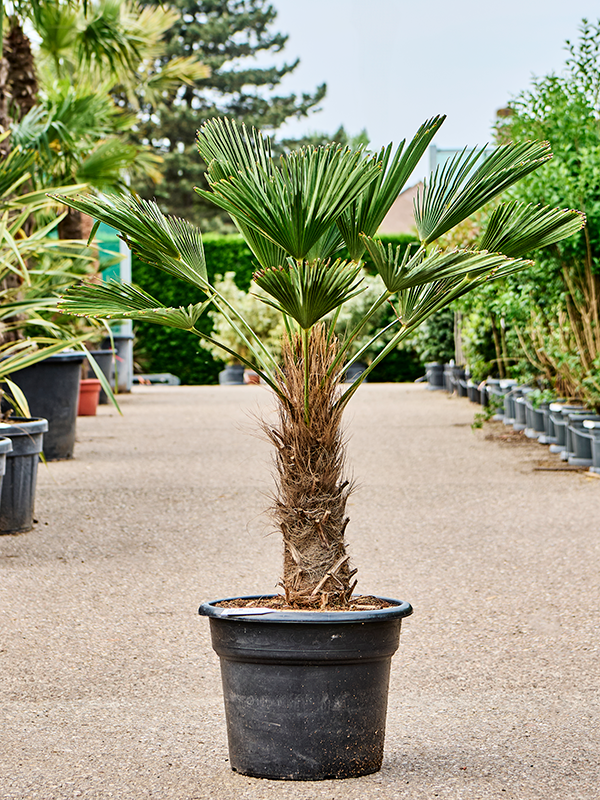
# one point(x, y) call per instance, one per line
point(52, 391)
point(305, 692)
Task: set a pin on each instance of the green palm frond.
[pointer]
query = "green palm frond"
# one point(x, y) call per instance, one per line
point(115, 300)
point(293, 204)
point(168, 243)
point(366, 214)
point(421, 268)
point(308, 291)
point(459, 187)
point(518, 228)
point(227, 148)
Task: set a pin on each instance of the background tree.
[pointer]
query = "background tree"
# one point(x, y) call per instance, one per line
point(225, 35)
point(546, 325)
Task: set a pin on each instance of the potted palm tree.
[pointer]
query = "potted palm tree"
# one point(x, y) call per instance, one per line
point(305, 673)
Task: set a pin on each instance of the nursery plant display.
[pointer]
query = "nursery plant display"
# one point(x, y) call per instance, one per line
point(295, 213)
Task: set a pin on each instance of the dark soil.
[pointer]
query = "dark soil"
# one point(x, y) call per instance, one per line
point(360, 603)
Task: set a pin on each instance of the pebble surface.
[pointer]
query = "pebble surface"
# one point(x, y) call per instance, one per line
point(109, 687)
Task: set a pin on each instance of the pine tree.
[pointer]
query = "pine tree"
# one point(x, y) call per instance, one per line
point(221, 32)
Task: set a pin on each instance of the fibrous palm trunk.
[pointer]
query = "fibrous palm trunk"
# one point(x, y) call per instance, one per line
point(22, 76)
point(310, 503)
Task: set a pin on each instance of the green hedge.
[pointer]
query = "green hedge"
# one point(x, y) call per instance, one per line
point(159, 349)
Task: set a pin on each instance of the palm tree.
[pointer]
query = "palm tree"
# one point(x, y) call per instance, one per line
point(96, 62)
point(296, 213)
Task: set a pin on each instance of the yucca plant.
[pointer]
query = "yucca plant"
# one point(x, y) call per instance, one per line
point(296, 213)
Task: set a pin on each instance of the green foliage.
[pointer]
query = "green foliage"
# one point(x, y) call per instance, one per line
point(161, 350)
point(545, 324)
point(434, 341)
point(226, 35)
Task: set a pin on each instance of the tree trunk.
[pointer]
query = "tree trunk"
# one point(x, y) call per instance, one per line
point(310, 503)
point(22, 77)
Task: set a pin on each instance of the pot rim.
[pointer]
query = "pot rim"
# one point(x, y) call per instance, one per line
point(400, 609)
point(23, 426)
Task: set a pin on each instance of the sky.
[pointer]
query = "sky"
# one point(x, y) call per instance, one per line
point(391, 64)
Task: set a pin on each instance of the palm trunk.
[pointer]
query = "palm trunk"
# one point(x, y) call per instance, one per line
point(310, 504)
point(22, 76)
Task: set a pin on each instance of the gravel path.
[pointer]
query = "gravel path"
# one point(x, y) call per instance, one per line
point(109, 686)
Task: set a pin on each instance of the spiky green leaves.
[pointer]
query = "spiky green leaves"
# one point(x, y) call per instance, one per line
point(115, 300)
point(292, 204)
point(459, 187)
point(169, 243)
point(308, 291)
point(518, 228)
point(366, 214)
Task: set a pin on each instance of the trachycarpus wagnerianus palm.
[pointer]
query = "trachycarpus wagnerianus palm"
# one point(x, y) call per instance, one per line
point(296, 213)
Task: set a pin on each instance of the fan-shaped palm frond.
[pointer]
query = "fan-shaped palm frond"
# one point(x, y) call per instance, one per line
point(422, 268)
point(293, 204)
point(168, 243)
point(307, 291)
point(459, 187)
point(518, 228)
point(115, 300)
point(227, 148)
point(366, 214)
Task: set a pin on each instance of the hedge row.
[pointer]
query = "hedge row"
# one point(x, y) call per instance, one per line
point(159, 349)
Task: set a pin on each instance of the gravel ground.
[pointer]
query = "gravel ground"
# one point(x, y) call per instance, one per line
point(109, 686)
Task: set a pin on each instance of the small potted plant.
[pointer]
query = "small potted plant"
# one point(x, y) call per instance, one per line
point(305, 673)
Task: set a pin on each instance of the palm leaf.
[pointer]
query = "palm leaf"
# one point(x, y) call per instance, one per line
point(227, 148)
point(459, 188)
point(518, 228)
point(168, 243)
point(294, 204)
point(115, 300)
point(421, 269)
point(366, 214)
point(307, 291)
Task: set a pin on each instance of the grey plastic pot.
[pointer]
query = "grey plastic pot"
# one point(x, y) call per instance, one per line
point(558, 421)
point(305, 692)
point(18, 487)
point(578, 446)
point(5, 447)
point(232, 375)
point(354, 371)
point(434, 372)
point(535, 421)
point(592, 427)
point(105, 360)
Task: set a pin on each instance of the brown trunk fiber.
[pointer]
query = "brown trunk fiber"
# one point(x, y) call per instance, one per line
point(22, 77)
point(310, 504)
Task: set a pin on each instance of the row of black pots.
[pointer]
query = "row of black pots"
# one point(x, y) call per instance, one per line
point(21, 442)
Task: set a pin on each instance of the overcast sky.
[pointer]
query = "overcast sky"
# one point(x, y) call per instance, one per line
point(391, 64)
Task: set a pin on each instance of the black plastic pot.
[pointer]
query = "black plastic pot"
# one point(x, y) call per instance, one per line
point(18, 487)
point(52, 391)
point(5, 447)
point(305, 692)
